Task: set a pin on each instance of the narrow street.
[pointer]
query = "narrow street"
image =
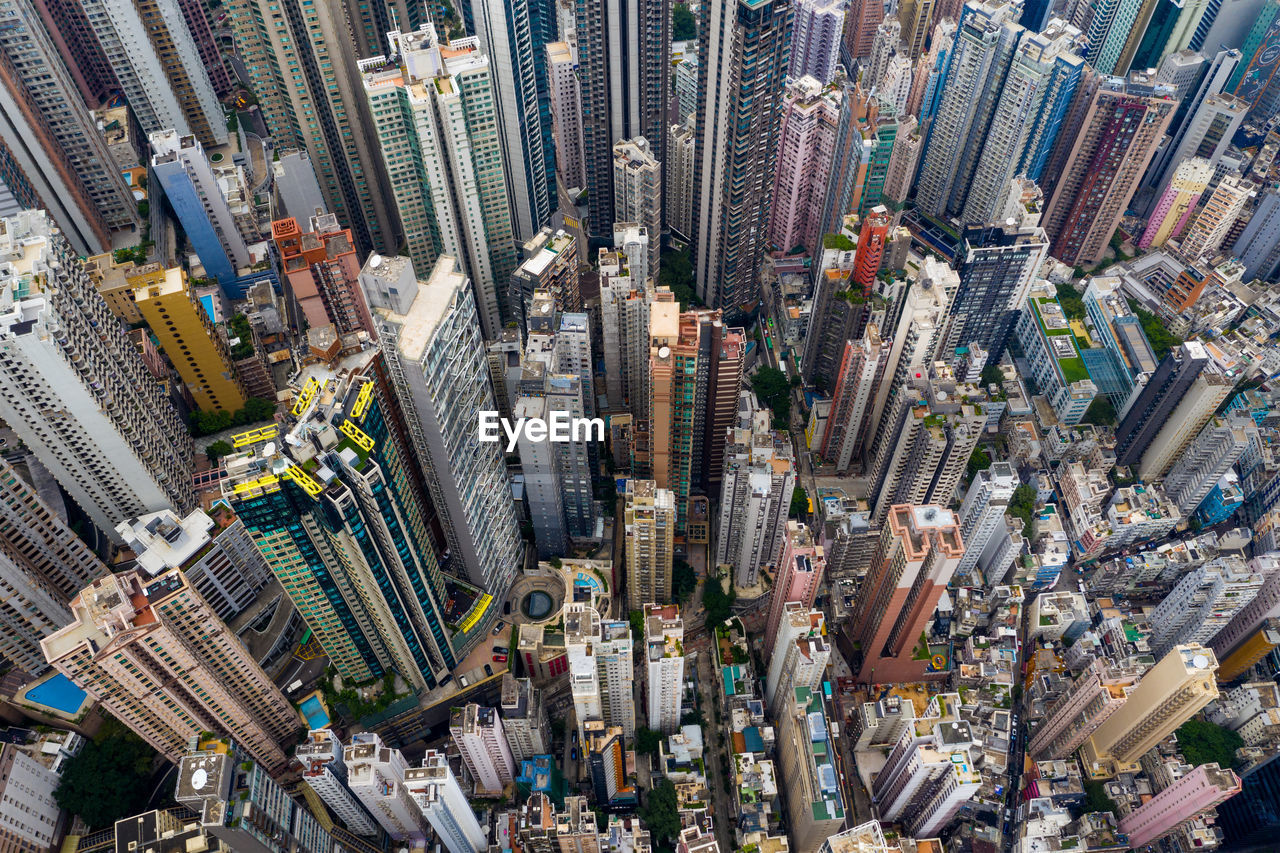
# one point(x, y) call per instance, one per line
point(713, 740)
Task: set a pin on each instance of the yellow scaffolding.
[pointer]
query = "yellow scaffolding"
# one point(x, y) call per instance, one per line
point(308, 394)
point(304, 480)
point(477, 612)
point(363, 399)
point(357, 435)
point(253, 436)
point(262, 485)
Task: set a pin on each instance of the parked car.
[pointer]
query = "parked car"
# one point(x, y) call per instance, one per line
point(499, 659)
point(488, 670)
point(497, 629)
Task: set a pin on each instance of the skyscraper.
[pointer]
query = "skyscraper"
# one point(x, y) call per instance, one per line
point(1205, 133)
point(800, 571)
point(1177, 202)
point(861, 371)
point(437, 794)
point(76, 391)
point(52, 155)
point(915, 558)
point(673, 385)
point(1204, 462)
point(811, 119)
point(982, 513)
point(1151, 406)
point(158, 66)
point(637, 192)
point(376, 774)
point(42, 567)
point(744, 51)
point(367, 527)
point(624, 320)
point(681, 154)
point(524, 718)
point(69, 29)
point(1186, 799)
point(815, 39)
point(650, 518)
point(1201, 400)
point(154, 653)
point(800, 653)
point(1168, 695)
point(664, 652)
point(429, 335)
point(601, 668)
point(566, 113)
point(1204, 601)
point(998, 264)
point(1085, 703)
point(301, 66)
point(815, 804)
point(755, 497)
point(1054, 356)
point(1258, 246)
point(511, 33)
point(186, 334)
point(860, 25)
point(321, 273)
point(1117, 137)
point(451, 194)
point(916, 17)
point(624, 59)
point(324, 771)
point(551, 265)
point(1210, 227)
point(478, 734)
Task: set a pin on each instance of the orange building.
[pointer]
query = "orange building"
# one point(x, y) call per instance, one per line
point(871, 241)
point(322, 273)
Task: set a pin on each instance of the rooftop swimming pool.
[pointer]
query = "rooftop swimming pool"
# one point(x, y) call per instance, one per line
point(58, 693)
point(317, 717)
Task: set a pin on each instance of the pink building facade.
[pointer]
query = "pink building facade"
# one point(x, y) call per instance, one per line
point(1183, 801)
point(806, 151)
point(799, 574)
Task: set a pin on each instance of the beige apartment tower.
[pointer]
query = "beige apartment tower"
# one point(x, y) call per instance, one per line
point(650, 518)
point(159, 659)
point(1170, 692)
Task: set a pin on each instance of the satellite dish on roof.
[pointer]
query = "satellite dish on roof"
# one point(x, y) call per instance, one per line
point(375, 261)
point(663, 352)
point(199, 779)
point(1200, 661)
point(546, 308)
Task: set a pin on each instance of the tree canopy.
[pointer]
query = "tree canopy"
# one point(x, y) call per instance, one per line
point(1202, 742)
point(1096, 798)
point(683, 581)
point(683, 27)
point(799, 502)
point(1023, 506)
point(1160, 338)
point(660, 813)
point(979, 460)
point(771, 386)
point(109, 779)
point(717, 603)
point(648, 741)
point(1070, 300)
point(676, 272)
point(1100, 412)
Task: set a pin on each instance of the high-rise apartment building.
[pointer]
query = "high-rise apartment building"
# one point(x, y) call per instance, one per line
point(916, 17)
point(1176, 203)
point(512, 34)
point(43, 564)
point(1185, 800)
point(158, 67)
point(1085, 704)
point(755, 496)
point(438, 103)
point(1053, 356)
point(1109, 151)
point(860, 24)
point(1125, 357)
point(605, 750)
point(861, 371)
point(834, 319)
point(1203, 602)
point(799, 573)
point(637, 192)
point(213, 549)
point(325, 773)
point(479, 736)
point(682, 146)
point(71, 34)
point(1204, 133)
point(1168, 695)
point(1214, 221)
point(52, 156)
point(1258, 246)
point(743, 54)
point(800, 653)
point(524, 718)
point(441, 800)
point(429, 335)
point(650, 519)
point(624, 319)
point(240, 806)
point(601, 668)
point(664, 653)
point(76, 391)
point(1208, 458)
point(321, 274)
point(983, 510)
point(31, 768)
point(186, 334)
point(300, 64)
point(376, 775)
point(929, 775)
point(153, 653)
point(186, 177)
point(815, 39)
point(673, 384)
point(1202, 398)
point(551, 265)
point(815, 804)
point(997, 267)
point(811, 121)
point(566, 113)
point(624, 60)
point(915, 558)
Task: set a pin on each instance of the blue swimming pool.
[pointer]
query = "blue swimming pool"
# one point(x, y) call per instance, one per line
point(58, 692)
point(316, 716)
point(207, 302)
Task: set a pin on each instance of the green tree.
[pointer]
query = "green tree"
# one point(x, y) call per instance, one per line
point(799, 503)
point(717, 603)
point(992, 375)
point(238, 327)
point(257, 409)
point(660, 813)
point(684, 580)
point(1096, 799)
point(648, 741)
point(979, 460)
point(1160, 338)
point(1202, 742)
point(683, 27)
point(1023, 506)
point(637, 625)
point(109, 779)
point(217, 450)
point(1069, 299)
point(1100, 412)
point(676, 272)
point(771, 386)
